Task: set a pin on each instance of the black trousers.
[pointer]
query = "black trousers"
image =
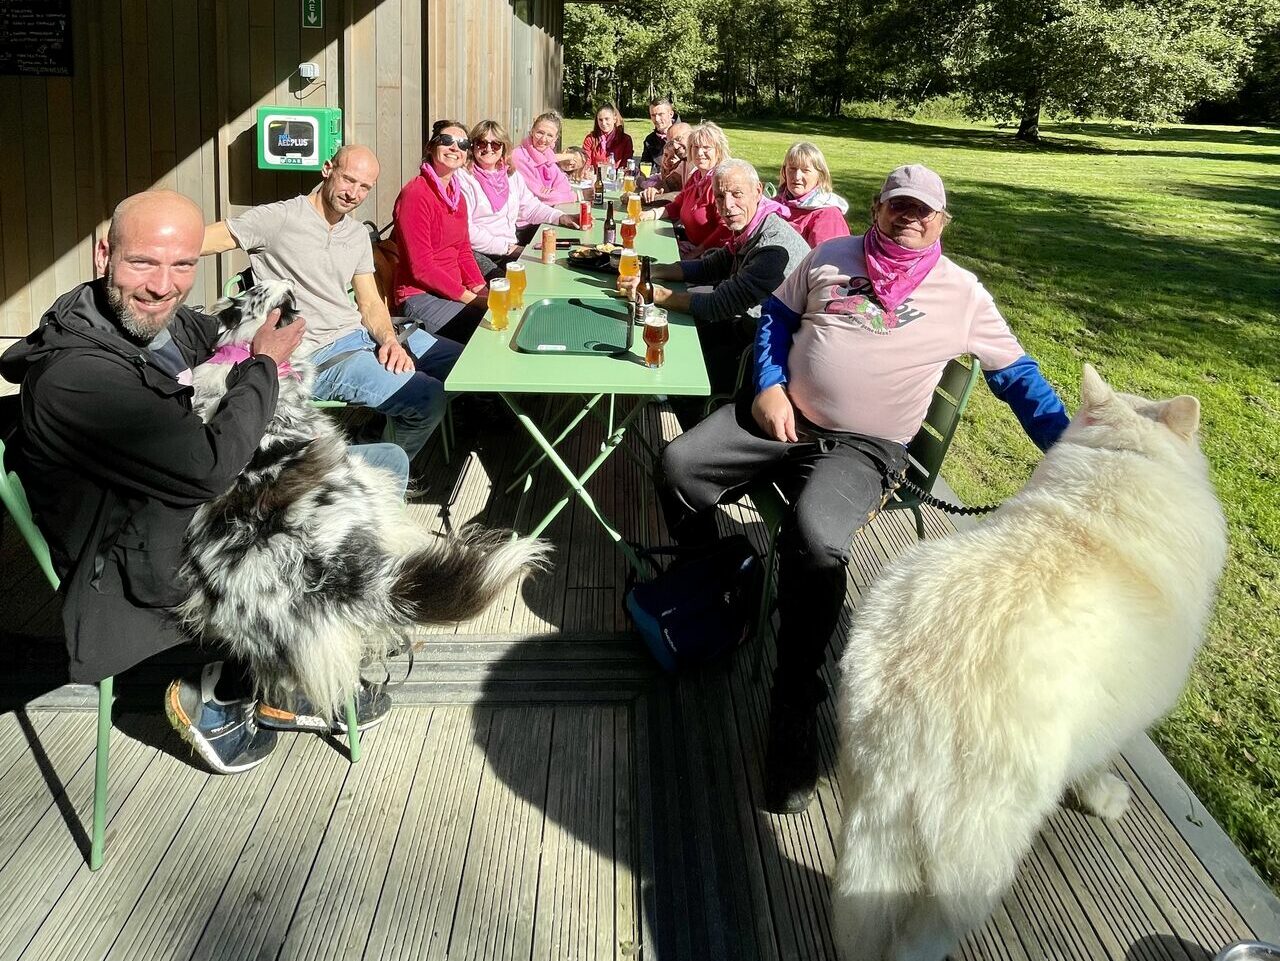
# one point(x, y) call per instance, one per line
point(835, 483)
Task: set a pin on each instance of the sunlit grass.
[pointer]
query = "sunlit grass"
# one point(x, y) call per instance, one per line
point(1158, 260)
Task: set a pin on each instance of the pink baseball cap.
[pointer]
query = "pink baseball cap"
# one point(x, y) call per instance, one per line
point(917, 181)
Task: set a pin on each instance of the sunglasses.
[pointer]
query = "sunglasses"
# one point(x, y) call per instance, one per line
point(487, 146)
point(449, 140)
point(912, 208)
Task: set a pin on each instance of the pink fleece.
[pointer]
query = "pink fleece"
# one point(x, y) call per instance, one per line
point(548, 182)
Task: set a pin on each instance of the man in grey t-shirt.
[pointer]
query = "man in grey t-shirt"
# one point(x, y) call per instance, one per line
point(315, 243)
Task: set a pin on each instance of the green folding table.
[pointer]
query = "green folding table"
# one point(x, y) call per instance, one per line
point(491, 363)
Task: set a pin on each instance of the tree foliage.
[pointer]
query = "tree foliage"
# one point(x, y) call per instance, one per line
point(1147, 61)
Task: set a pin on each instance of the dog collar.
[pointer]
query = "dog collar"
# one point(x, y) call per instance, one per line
point(236, 353)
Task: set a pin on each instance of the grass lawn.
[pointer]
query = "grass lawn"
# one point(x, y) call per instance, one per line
point(1158, 260)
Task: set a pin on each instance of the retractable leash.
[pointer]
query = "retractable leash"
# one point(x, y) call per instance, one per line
point(931, 501)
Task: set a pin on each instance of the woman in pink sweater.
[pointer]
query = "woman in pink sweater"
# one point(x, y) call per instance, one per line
point(539, 164)
point(804, 186)
point(499, 200)
point(437, 281)
point(608, 142)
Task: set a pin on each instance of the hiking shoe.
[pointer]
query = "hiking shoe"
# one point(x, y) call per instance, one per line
point(791, 757)
point(223, 733)
point(295, 713)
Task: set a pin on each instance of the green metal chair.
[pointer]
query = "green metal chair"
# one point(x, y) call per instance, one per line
point(15, 502)
point(925, 454)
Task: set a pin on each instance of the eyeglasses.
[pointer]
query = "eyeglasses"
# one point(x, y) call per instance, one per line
point(487, 146)
point(449, 140)
point(912, 208)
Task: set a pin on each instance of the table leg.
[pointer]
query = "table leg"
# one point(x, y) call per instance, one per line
point(523, 477)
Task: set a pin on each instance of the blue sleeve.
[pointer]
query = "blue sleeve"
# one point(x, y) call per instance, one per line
point(778, 325)
point(1031, 398)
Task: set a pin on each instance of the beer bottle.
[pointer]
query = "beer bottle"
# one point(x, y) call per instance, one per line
point(645, 291)
point(610, 228)
point(599, 186)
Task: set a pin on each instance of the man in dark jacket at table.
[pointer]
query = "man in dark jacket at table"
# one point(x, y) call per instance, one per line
point(115, 461)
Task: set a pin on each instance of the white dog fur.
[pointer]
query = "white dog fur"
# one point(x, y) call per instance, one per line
point(990, 671)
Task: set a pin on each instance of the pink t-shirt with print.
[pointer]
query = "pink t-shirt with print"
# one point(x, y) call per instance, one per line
point(851, 368)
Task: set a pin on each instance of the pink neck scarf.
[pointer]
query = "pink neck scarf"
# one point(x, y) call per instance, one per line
point(495, 184)
point(543, 164)
point(813, 200)
point(450, 194)
point(235, 353)
point(767, 206)
point(896, 271)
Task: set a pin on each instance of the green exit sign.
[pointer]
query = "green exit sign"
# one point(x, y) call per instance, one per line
point(313, 14)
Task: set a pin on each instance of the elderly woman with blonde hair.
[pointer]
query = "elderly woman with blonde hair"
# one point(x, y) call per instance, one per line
point(804, 187)
point(694, 207)
point(499, 200)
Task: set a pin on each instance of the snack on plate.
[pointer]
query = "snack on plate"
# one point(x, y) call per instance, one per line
point(583, 253)
point(606, 248)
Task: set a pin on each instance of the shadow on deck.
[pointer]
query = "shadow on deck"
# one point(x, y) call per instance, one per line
point(542, 791)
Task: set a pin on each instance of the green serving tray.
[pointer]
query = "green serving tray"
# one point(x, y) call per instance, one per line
point(575, 326)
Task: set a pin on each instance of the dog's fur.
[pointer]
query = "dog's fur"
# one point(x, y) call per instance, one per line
point(989, 671)
point(310, 561)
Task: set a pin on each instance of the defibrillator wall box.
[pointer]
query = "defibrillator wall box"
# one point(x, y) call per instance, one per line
point(297, 138)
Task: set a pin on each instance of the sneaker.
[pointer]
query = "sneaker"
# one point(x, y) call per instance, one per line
point(791, 758)
point(296, 713)
point(223, 733)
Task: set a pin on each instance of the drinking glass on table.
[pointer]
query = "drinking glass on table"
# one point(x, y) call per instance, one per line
point(634, 208)
point(499, 290)
point(516, 278)
point(655, 336)
point(628, 263)
point(628, 233)
point(628, 183)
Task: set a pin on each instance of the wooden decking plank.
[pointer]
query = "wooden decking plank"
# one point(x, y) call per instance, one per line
point(494, 919)
point(415, 912)
point(36, 876)
point(351, 865)
point(15, 730)
point(63, 744)
point(171, 914)
point(626, 866)
point(137, 838)
point(256, 904)
point(1074, 902)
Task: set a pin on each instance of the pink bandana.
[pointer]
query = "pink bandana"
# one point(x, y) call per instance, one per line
point(767, 206)
point(235, 353)
point(896, 271)
point(544, 165)
point(451, 195)
point(495, 184)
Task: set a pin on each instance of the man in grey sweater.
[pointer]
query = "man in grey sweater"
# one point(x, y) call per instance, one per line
point(763, 250)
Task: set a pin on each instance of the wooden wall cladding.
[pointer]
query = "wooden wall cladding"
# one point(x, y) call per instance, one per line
point(164, 94)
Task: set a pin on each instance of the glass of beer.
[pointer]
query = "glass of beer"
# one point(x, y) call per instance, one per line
point(628, 233)
point(655, 336)
point(633, 206)
point(516, 278)
point(628, 183)
point(628, 263)
point(498, 306)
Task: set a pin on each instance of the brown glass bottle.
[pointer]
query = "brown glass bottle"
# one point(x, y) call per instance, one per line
point(610, 228)
point(599, 197)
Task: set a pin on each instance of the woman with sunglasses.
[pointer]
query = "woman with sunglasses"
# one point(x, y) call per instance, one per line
point(437, 281)
point(539, 164)
point(499, 200)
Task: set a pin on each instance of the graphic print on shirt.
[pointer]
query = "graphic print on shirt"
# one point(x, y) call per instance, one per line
point(858, 302)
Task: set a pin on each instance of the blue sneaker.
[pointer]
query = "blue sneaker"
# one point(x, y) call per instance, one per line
point(296, 713)
point(223, 733)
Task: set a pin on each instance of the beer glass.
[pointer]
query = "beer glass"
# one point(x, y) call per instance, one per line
point(516, 278)
point(628, 183)
point(498, 291)
point(628, 263)
point(633, 207)
point(655, 336)
point(628, 233)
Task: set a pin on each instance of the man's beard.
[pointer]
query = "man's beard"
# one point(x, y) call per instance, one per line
point(140, 329)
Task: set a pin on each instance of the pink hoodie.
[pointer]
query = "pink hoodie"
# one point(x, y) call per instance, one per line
point(494, 231)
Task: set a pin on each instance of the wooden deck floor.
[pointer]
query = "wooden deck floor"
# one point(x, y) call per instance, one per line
point(541, 792)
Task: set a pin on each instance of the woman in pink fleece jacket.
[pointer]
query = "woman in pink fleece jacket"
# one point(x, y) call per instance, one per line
point(437, 281)
point(804, 186)
point(499, 200)
point(539, 164)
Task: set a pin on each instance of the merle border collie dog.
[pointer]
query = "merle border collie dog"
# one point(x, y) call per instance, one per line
point(310, 562)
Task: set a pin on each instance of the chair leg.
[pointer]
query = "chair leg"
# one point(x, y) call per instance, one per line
point(353, 731)
point(915, 509)
point(106, 689)
point(763, 618)
point(446, 430)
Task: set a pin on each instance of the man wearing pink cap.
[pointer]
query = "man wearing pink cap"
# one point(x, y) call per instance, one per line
point(847, 354)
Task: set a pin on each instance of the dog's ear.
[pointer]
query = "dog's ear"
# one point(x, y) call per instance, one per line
point(1095, 395)
point(229, 311)
point(1181, 415)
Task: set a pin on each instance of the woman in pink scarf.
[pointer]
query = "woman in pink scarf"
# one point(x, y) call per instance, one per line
point(608, 142)
point(694, 207)
point(538, 162)
point(804, 186)
point(499, 200)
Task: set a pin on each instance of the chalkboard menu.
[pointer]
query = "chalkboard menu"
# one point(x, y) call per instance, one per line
point(35, 38)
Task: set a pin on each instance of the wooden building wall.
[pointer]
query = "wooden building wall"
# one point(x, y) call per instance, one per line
point(164, 94)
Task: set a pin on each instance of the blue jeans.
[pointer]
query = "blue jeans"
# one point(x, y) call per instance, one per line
point(389, 457)
point(413, 401)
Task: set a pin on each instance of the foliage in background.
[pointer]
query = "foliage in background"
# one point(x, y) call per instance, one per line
point(1146, 61)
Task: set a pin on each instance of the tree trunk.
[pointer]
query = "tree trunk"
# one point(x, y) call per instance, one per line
point(1029, 125)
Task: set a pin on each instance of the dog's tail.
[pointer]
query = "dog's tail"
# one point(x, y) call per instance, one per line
point(456, 578)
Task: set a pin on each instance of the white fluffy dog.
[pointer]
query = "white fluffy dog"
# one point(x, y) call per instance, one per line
point(990, 671)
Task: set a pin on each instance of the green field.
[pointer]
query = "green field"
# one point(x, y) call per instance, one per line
point(1157, 259)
